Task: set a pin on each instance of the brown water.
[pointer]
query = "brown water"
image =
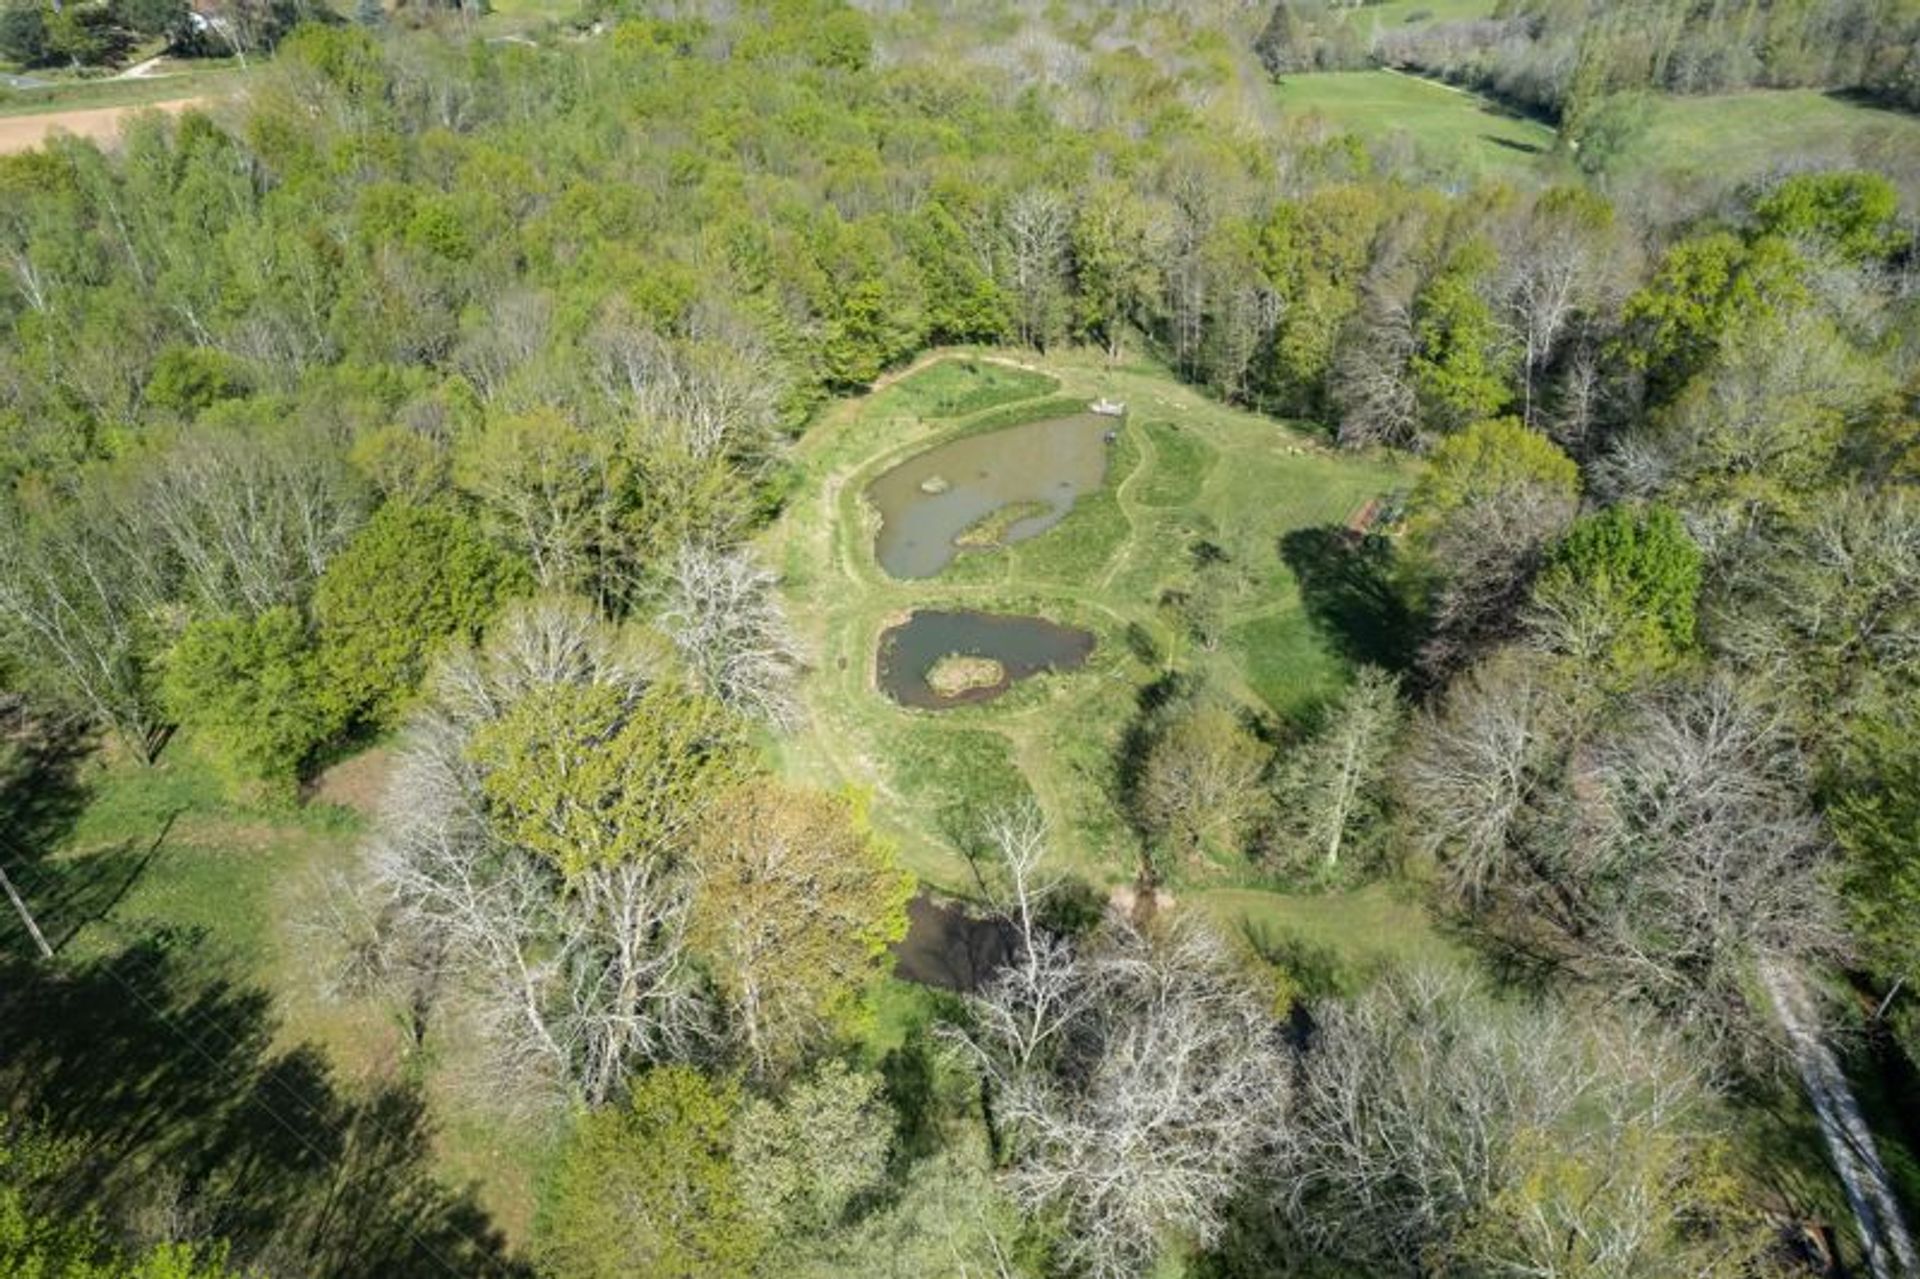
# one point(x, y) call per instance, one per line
point(947, 947)
point(1051, 463)
point(1023, 646)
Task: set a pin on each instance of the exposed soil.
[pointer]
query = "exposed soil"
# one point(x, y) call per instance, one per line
point(102, 124)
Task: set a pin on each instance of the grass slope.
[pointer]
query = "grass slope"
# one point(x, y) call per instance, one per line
point(1458, 136)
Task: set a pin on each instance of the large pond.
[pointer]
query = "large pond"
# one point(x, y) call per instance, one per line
point(1032, 472)
point(1020, 646)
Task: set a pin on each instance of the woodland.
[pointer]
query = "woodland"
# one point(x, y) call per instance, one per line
point(456, 819)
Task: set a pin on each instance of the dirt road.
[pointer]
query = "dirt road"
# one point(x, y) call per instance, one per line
point(102, 124)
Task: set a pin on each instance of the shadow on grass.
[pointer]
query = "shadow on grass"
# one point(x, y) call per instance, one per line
point(191, 1121)
point(1351, 597)
point(41, 797)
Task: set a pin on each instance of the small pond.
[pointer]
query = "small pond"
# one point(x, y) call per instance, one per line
point(1036, 468)
point(949, 948)
point(1021, 646)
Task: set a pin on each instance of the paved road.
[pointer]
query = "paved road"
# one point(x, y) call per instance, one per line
point(1890, 1250)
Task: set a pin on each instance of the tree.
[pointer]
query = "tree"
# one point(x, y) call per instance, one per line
point(806, 1158)
point(1036, 234)
point(1460, 363)
point(1622, 591)
point(78, 594)
point(414, 578)
point(797, 905)
point(650, 1188)
point(1331, 795)
point(1704, 291)
point(1856, 215)
point(1436, 1132)
point(1875, 815)
point(1658, 849)
point(1138, 1116)
point(246, 688)
point(1200, 780)
point(564, 926)
point(724, 614)
point(553, 491)
point(1492, 498)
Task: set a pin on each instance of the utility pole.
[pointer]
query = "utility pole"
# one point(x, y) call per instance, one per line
point(26, 916)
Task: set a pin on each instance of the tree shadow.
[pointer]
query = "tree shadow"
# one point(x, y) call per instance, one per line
point(194, 1123)
point(1349, 590)
point(41, 798)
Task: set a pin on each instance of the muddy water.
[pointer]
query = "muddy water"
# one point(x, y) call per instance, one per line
point(947, 947)
point(1023, 646)
point(931, 498)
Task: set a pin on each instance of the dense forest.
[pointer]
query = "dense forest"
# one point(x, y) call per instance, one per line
point(438, 401)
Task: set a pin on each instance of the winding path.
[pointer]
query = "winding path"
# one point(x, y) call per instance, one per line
point(1883, 1232)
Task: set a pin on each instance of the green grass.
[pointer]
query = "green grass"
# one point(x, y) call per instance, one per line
point(1735, 136)
point(78, 95)
point(1184, 471)
point(959, 387)
point(237, 890)
point(1452, 134)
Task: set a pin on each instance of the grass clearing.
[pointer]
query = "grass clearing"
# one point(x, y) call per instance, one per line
point(1731, 137)
point(1189, 482)
point(1452, 135)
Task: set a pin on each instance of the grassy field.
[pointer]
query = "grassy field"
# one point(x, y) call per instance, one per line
point(1449, 134)
point(1733, 136)
point(1184, 471)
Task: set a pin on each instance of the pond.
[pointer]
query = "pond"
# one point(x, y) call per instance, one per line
point(949, 948)
point(1031, 474)
point(919, 660)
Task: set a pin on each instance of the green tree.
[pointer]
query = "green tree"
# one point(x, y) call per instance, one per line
point(1875, 815)
point(591, 775)
point(1485, 463)
point(1331, 796)
point(413, 578)
point(799, 901)
point(651, 1188)
point(805, 1158)
point(1622, 589)
point(1707, 290)
point(1461, 366)
point(246, 689)
point(1857, 215)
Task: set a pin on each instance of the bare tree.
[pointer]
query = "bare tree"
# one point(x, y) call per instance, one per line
point(724, 614)
point(1372, 379)
point(1435, 1132)
point(1332, 787)
point(1659, 850)
point(1133, 1080)
point(250, 521)
point(1036, 227)
point(573, 978)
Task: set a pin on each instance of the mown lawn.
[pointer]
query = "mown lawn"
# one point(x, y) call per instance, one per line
point(214, 81)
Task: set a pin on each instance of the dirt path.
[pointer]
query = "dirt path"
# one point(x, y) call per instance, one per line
point(1890, 1250)
point(102, 124)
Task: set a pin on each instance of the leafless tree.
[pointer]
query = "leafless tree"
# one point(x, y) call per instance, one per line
point(573, 980)
point(1332, 786)
point(1133, 1078)
point(1659, 850)
point(1035, 233)
point(1489, 550)
point(724, 614)
point(1372, 382)
point(715, 394)
point(250, 520)
point(1431, 1127)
